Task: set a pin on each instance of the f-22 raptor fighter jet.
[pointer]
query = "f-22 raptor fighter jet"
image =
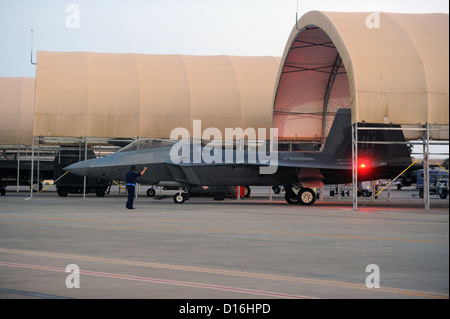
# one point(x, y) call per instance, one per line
point(299, 172)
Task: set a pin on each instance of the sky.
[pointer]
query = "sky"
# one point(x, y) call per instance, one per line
point(192, 27)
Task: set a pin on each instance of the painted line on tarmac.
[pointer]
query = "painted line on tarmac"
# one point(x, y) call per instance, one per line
point(161, 281)
point(223, 230)
point(231, 273)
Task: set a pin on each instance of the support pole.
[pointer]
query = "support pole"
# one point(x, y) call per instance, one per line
point(38, 165)
point(355, 165)
point(240, 148)
point(32, 168)
point(18, 168)
point(85, 158)
point(426, 167)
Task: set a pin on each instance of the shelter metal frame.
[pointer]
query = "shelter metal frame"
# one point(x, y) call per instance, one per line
point(46, 145)
point(19, 152)
point(425, 129)
point(43, 144)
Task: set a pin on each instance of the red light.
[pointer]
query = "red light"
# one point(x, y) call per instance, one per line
point(363, 164)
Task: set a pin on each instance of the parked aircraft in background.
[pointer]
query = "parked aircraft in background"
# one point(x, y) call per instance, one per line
point(298, 172)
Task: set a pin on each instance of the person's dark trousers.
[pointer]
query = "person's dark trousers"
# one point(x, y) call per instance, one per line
point(131, 190)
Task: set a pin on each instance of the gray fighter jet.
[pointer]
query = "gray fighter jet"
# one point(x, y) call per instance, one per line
point(177, 163)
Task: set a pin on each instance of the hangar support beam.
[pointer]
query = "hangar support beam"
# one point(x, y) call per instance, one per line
point(334, 71)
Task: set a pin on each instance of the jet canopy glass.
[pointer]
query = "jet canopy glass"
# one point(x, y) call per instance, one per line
point(147, 143)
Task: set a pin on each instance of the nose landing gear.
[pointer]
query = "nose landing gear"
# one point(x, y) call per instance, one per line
point(181, 196)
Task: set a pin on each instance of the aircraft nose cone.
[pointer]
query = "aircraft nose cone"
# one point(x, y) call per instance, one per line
point(80, 168)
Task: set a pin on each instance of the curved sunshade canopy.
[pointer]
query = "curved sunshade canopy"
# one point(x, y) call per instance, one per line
point(138, 95)
point(16, 110)
point(386, 67)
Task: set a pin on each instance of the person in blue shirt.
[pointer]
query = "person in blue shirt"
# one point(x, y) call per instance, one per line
point(130, 179)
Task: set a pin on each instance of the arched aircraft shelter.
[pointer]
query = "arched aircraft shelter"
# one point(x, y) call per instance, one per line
point(388, 68)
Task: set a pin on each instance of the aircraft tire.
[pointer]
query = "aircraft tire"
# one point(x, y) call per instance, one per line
point(100, 192)
point(178, 198)
point(62, 192)
point(276, 189)
point(290, 197)
point(151, 192)
point(306, 196)
point(247, 191)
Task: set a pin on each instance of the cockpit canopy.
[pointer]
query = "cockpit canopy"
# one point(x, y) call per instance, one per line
point(147, 143)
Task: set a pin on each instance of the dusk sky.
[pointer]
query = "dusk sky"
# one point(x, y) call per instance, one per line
point(197, 27)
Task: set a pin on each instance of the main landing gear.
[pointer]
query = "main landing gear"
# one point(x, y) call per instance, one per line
point(297, 195)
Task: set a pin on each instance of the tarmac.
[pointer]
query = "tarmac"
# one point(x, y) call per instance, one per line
point(253, 248)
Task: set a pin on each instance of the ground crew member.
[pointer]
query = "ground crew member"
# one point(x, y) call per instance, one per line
point(131, 185)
